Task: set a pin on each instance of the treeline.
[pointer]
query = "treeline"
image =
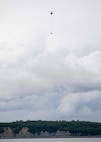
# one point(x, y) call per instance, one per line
point(76, 128)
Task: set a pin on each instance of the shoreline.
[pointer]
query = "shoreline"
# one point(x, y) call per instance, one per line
point(54, 137)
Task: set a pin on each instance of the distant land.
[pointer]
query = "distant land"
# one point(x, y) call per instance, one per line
point(49, 129)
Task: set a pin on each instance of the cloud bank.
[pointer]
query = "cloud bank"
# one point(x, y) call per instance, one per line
point(49, 83)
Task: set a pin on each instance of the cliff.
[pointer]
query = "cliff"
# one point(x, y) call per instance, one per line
point(24, 133)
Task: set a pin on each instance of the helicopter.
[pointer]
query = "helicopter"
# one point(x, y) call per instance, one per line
point(51, 13)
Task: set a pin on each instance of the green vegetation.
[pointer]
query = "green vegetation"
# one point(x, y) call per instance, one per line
point(1, 130)
point(76, 128)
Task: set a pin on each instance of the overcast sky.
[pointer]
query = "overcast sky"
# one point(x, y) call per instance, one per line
point(47, 76)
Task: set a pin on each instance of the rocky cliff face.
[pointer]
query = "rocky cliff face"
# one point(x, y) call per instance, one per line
point(8, 133)
point(24, 133)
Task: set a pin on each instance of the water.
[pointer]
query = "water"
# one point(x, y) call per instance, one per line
point(53, 140)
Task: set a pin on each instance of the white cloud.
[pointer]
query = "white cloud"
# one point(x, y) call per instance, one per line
point(80, 105)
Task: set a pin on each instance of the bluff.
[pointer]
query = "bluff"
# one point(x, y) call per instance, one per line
point(24, 133)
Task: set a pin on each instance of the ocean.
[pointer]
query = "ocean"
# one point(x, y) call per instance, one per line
point(53, 140)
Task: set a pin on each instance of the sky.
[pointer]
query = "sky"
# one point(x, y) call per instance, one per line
point(46, 76)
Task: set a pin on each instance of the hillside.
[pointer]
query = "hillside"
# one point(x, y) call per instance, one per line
point(31, 129)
